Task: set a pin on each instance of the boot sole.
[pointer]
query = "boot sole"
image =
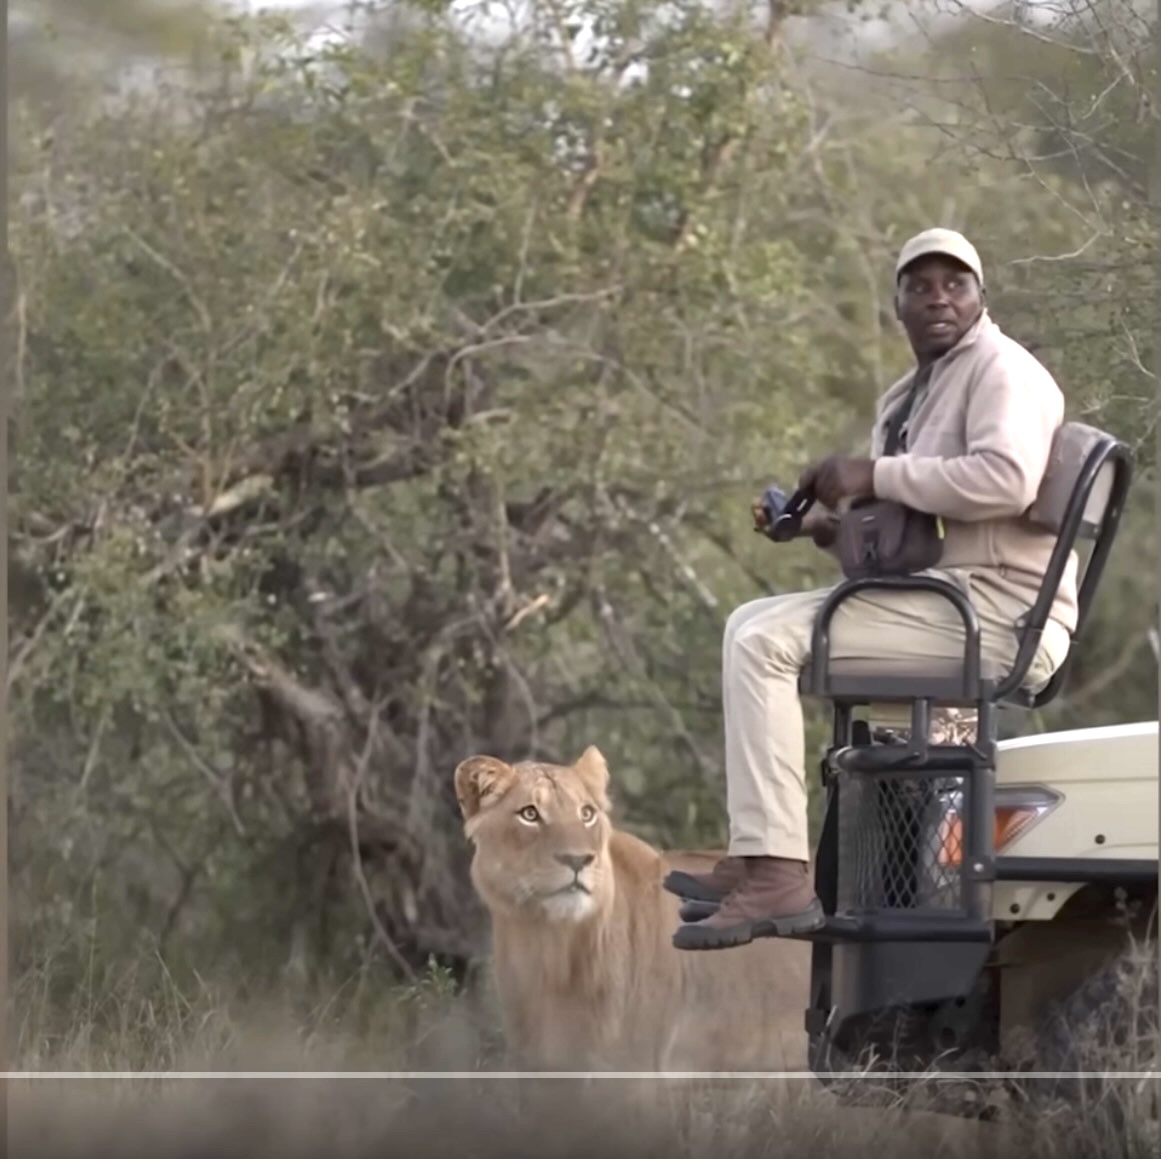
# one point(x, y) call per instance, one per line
point(696, 936)
point(690, 889)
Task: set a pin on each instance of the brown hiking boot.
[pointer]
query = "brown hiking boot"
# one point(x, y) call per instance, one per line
point(776, 899)
point(694, 911)
point(726, 875)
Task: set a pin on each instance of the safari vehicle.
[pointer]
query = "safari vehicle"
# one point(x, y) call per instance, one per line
point(974, 888)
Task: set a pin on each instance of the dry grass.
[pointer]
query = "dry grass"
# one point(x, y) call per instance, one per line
point(428, 1028)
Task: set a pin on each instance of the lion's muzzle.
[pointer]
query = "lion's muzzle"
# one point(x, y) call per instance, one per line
point(578, 863)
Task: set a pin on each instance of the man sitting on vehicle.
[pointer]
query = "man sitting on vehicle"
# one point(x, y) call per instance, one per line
point(976, 420)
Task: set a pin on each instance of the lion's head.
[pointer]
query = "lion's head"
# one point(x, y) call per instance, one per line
point(541, 834)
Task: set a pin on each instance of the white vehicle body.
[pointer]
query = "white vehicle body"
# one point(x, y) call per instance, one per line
point(1106, 806)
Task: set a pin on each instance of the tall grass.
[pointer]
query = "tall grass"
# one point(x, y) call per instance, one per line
point(146, 1019)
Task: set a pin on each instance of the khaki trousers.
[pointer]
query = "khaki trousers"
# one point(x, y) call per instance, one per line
point(765, 646)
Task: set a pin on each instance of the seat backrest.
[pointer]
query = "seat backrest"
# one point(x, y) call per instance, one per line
point(1072, 447)
point(1081, 497)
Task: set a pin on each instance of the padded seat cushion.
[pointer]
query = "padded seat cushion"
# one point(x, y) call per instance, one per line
point(898, 680)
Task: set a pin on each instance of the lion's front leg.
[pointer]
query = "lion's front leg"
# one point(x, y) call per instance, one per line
point(519, 1026)
point(553, 1035)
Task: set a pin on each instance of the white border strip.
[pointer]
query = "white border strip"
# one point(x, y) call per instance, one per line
point(940, 1077)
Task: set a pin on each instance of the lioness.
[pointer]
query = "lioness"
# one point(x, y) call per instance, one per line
point(584, 965)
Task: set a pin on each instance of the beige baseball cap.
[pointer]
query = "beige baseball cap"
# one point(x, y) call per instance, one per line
point(940, 241)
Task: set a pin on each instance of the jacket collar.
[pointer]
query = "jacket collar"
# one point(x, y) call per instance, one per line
point(982, 327)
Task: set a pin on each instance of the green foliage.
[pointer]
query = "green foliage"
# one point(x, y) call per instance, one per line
point(386, 406)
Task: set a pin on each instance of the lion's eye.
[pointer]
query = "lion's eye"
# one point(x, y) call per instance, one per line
point(530, 814)
point(588, 814)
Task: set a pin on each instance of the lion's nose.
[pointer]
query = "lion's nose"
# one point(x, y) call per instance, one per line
point(575, 861)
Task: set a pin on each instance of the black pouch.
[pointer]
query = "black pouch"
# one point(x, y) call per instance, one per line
point(879, 537)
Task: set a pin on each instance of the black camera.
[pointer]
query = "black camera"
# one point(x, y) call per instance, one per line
point(782, 514)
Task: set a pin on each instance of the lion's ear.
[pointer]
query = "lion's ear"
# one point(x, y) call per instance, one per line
point(480, 777)
point(593, 773)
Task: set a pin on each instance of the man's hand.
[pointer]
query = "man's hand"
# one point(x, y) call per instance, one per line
point(761, 523)
point(817, 524)
point(821, 525)
point(838, 477)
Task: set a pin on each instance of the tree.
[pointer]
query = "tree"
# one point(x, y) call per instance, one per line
point(449, 456)
point(382, 407)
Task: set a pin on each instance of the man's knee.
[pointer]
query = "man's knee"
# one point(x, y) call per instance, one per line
point(779, 637)
point(736, 619)
point(744, 613)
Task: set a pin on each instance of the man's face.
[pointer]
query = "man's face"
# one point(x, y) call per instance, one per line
point(938, 301)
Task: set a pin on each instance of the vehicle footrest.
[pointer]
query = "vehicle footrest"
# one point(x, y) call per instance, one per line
point(900, 927)
point(883, 758)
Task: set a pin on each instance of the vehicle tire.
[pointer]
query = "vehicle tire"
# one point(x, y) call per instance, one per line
point(888, 1088)
point(1108, 1023)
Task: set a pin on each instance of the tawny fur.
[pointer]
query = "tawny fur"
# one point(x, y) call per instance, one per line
point(591, 981)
